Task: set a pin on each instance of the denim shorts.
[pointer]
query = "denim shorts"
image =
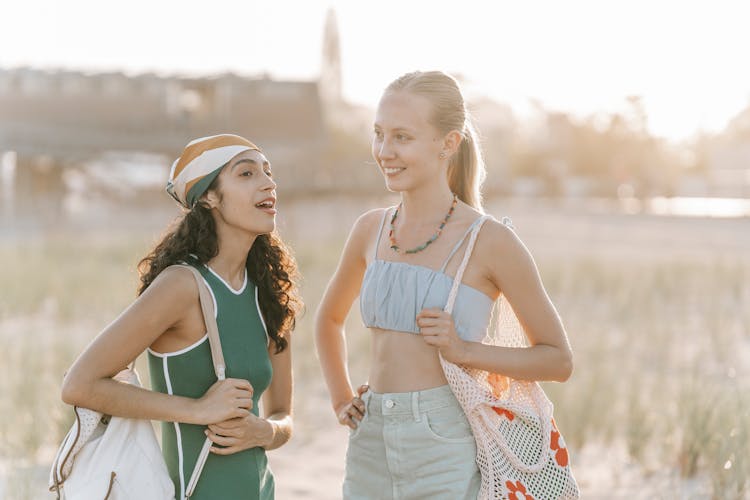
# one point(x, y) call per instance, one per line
point(412, 445)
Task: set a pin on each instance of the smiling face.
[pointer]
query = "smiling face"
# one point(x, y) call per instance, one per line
point(405, 145)
point(245, 194)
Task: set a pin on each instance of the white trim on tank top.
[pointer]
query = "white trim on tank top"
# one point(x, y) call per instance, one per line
point(181, 351)
point(263, 321)
point(236, 292)
point(178, 434)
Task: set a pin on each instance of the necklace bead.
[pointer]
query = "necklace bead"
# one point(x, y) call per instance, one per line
point(392, 237)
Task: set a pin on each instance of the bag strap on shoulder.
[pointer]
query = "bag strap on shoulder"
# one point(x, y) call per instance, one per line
point(461, 268)
point(209, 318)
point(217, 356)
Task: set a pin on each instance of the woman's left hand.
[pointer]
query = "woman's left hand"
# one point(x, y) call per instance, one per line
point(438, 330)
point(239, 434)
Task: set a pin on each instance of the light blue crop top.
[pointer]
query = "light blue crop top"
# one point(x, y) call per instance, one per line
point(393, 293)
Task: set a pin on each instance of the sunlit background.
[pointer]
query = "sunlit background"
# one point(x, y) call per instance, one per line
point(616, 134)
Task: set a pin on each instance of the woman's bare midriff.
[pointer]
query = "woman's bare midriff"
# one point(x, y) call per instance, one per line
point(403, 362)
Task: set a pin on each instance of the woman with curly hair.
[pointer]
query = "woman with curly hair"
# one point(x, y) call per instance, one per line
point(227, 233)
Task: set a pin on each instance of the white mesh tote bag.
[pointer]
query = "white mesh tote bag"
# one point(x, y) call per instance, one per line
point(520, 453)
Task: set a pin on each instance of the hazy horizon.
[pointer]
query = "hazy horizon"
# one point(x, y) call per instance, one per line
point(685, 61)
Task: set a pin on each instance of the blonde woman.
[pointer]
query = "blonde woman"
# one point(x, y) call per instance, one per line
point(227, 232)
point(409, 438)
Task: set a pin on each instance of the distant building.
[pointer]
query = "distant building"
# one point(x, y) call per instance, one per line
point(70, 116)
point(53, 120)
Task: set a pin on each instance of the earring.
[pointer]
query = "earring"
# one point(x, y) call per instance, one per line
point(442, 154)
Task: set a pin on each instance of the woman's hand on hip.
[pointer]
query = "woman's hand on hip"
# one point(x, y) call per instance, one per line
point(352, 412)
point(438, 330)
point(239, 434)
point(226, 399)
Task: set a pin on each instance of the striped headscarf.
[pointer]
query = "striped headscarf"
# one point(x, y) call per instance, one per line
point(200, 163)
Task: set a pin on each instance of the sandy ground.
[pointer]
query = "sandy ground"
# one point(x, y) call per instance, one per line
point(311, 466)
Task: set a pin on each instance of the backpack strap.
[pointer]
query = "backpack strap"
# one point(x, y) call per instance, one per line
point(460, 272)
point(217, 356)
point(209, 318)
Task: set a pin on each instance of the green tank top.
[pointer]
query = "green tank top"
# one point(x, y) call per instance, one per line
point(189, 372)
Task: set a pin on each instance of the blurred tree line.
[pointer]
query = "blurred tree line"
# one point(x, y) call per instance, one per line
point(552, 154)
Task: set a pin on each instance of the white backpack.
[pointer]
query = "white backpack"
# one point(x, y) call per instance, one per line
point(115, 457)
point(119, 458)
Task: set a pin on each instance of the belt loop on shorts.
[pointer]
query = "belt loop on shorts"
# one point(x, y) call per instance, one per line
point(415, 406)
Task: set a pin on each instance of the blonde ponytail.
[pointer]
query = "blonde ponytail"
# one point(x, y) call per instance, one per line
point(466, 170)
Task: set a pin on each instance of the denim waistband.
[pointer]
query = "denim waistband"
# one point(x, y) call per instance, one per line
point(409, 403)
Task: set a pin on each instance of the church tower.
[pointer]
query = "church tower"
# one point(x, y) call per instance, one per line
point(330, 71)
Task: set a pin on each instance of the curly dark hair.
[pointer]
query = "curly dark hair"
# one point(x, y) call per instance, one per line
point(270, 265)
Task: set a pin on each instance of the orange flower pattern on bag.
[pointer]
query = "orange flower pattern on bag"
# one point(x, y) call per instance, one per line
point(517, 491)
point(499, 384)
point(503, 412)
point(557, 444)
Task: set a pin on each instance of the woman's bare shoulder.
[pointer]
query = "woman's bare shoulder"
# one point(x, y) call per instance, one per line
point(175, 284)
point(371, 218)
point(499, 242)
point(368, 224)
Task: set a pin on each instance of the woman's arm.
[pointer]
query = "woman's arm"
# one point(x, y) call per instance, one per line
point(162, 306)
point(334, 308)
point(277, 400)
point(509, 266)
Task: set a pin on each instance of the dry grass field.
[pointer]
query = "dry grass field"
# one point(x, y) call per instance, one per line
point(657, 310)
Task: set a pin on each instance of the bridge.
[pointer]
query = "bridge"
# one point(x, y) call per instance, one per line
point(57, 120)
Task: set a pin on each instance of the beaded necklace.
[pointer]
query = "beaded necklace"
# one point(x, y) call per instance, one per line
point(391, 233)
